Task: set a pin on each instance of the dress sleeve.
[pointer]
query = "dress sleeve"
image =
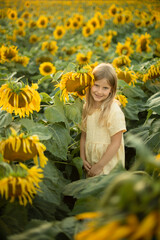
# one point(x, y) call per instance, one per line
point(116, 120)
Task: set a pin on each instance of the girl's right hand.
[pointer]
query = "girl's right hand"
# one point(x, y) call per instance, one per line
point(86, 165)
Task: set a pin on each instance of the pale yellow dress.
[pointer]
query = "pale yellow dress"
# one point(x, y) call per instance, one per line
point(99, 137)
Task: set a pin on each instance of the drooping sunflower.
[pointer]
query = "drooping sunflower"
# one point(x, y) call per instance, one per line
point(21, 148)
point(12, 14)
point(83, 59)
point(153, 72)
point(47, 68)
point(23, 60)
point(18, 99)
point(124, 49)
point(59, 32)
point(76, 83)
point(121, 61)
point(42, 22)
point(88, 30)
point(50, 46)
point(129, 76)
point(122, 99)
point(20, 183)
point(8, 53)
point(143, 43)
point(20, 23)
point(33, 38)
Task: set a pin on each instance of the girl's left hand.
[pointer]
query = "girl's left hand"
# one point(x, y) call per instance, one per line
point(95, 170)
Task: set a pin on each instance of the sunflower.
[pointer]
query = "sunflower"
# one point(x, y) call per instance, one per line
point(21, 148)
point(143, 43)
point(23, 60)
point(128, 76)
point(20, 23)
point(83, 59)
point(59, 32)
point(107, 43)
point(32, 24)
point(88, 30)
point(47, 68)
point(122, 99)
point(139, 23)
point(18, 99)
point(121, 61)
point(68, 23)
point(119, 19)
point(75, 24)
point(20, 183)
point(8, 53)
point(50, 46)
point(128, 16)
point(26, 15)
point(27, 4)
point(43, 59)
point(33, 39)
point(79, 18)
point(94, 22)
point(153, 72)
point(112, 10)
point(42, 22)
point(19, 32)
point(12, 14)
point(124, 49)
point(76, 83)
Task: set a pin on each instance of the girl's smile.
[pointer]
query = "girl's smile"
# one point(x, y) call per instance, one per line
point(100, 90)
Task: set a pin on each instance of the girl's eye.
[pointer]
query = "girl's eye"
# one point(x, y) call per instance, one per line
point(105, 88)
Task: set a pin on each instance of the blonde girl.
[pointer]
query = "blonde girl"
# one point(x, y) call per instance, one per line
point(103, 124)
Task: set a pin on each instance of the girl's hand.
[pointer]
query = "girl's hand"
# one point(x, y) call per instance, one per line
point(86, 165)
point(95, 170)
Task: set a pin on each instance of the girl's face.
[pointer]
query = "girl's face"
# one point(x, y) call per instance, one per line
point(100, 91)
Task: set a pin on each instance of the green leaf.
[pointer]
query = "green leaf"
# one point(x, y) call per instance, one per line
point(154, 103)
point(78, 163)
point(54, 114)
point(57, 76)
point(5, 118)
point(45, 97)
point(48, 77)
point(58, 144)
point(70, 68)
point(134, 92)
point(74, 111)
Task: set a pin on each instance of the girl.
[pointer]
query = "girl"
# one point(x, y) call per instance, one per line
point(103, 124)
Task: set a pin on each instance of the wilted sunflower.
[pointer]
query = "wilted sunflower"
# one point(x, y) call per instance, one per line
point(18, 99)
point(75, 83)
point(22, 60)
point(128, 76)
point(20, 183)
point(143, 43)
point(121, 61)
point(21, 148)
point(42, 22)
point(59, 32)
point(20, 23)
point(50, 46)
point(122, 99)
point(153, 72)
point(83, 59)
point(124, 49)
point(8, 53)
point(47, 68)
point(88, 30)
point(12, 14)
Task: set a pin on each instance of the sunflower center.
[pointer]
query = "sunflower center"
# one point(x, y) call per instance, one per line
point(59, 32)
point(19, 100)
point(144, 44)
point(124, 51)
point(88, 30)
point(119, 18)
point(42, 22)
point(114, 11)
point(84, 59)
point(12, 15)
point(20, 155)
point(47, 69)
point(75, 24)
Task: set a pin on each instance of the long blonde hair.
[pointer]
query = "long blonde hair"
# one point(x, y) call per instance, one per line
point(102, 71)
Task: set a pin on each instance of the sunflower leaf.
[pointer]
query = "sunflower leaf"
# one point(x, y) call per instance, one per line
point(5, 118)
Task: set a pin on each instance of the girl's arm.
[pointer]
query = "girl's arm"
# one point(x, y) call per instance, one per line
point(86, 165)
point(108, 155)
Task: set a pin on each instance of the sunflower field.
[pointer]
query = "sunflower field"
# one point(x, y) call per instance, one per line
point(48, 50)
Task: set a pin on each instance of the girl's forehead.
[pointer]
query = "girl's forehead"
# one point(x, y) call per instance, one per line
point(103, 80)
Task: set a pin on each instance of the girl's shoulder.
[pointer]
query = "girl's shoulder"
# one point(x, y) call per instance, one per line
point(115, 106)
